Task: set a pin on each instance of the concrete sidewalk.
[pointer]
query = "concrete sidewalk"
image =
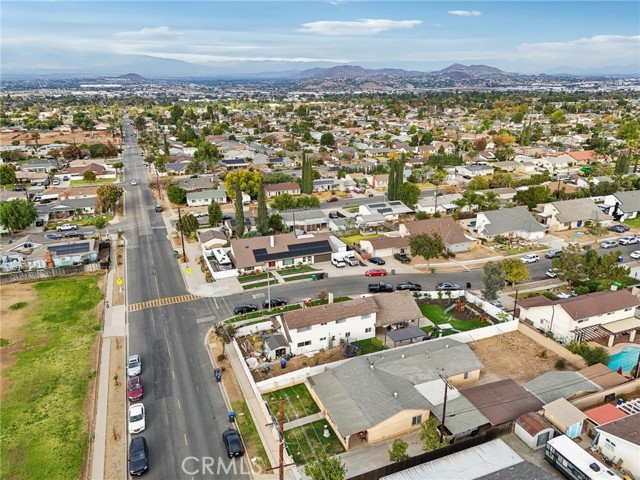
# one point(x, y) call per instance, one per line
point(299, 422)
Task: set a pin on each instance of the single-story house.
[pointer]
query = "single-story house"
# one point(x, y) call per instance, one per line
point(452, 236)
point(305, 220)
point(564, 416)
point(385, 246)
point(249, 225)
point(440, 203)
point(533, 430)
point(273, 189)
point(277, 251)
point(177, 168)
point(207, 197)
point(505, 194)
point(39, 166)
point(375, 397)
point(600, 415)
point(210, 239)
point(508, 166)
point(551, 386)
point(527, 167)
point(275, 345)
point(586, 182)
point(475, 170)
point(620, 442)
point(508, 222)
point(29, 254)
point(585, 317)
point(235, 163)
point(380, 181)
point(72, 206)
point(395, 210)
point(568, 214)
point(623, 205)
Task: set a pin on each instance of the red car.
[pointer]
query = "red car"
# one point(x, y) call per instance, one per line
point(376, 272)
point(134, 389)
point(333, 199)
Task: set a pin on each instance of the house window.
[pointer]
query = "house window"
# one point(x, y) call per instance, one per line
point(609, 442)
point(304, 344)
point(323, 323)
point(628, 309)
point(340, 321)
point(417, 420)
point(323, 339)
point(367, 330)
point(304, 329)
point(288, 261)
point(348, 334)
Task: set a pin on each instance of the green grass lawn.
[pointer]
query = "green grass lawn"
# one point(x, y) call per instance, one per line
point(305, 442)
point(44, 433)
point(298, 277)
point(351, 239)
point(253, 278)
point(249, 432)
point(633, 223)
point(371, 345)
point(436, 314)
point(297, 402)
point(97, 181)
point(300, 269)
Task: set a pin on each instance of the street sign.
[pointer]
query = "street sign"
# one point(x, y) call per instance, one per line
point(119, 281)
point(188, 270)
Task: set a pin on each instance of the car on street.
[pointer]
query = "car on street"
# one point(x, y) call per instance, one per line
point(338, 262)
point(233, 443)
point(134, 366)
point(56, 181)
point(244, 308)
point(74, 235)
point(530, 258)
point(467, 177)
point(619, 228)
point(377, 260)
point(134, 388)
point(332, 199)
point(635, 254)
point(498, 304)
point(402, 258)
point(138, 456)
point(447, 286)
point(136, 418)
point(413, 287)
point(553, 254)
point(376, 272)
point(608, 244)
point(551, 273)
point(158, 207)
point(53, 236)
point(274, 302)
point(628, 240)
point(134, 182)
point(66, 227)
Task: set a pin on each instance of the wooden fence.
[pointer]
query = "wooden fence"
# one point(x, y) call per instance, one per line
point(48, 273)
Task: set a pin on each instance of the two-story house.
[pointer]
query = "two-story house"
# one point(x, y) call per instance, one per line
point(620, 442)
point(623, 205)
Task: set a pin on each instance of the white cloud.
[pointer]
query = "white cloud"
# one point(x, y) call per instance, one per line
point(204, 59)
point(365, 26)
point(465, 13)
point(156, 33)
point(589, 50)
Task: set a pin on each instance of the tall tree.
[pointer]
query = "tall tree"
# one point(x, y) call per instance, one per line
point(239, 210)
point(17, 214)
point(326, 468)
point(307, 175)
point(215, 214)
point(188, 224)
point(427, 246)
point(408, 193)
point(569, 264)
point(493, 279)
point(263, 213)
point(515, 271)
point(7, 174)
point(108, 197)
point(100, 223)
point(250, 181)
point(176, 194)
point(391, 183)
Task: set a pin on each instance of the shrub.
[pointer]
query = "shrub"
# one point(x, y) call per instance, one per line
point(596, 355)
point(578, 347)
point(582, 290)
point(550, 295)
point(542, 354)
point(560, 364)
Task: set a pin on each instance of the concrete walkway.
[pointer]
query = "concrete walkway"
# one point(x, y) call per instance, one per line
point(299, 422)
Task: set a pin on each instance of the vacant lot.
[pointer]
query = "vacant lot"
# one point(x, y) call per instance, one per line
point(98, 136)
point(48, 368)
point(514, 355)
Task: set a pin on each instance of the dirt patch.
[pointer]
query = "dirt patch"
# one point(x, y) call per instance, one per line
point(229, 381)
point(13, 325)
point(64, 137)
point(117, 297)
point(89, 406)
point(115, 465)
point(513, 355)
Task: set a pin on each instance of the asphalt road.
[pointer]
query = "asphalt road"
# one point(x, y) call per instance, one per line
point(186, 414)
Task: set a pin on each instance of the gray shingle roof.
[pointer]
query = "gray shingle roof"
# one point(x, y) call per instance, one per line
point(551, 386)
point(579, 209)
point(462, 416)
point(629, 201)
point(510, 220)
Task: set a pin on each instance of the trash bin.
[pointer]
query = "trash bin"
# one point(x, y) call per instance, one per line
point(393, 272)
point(232, 416)
point(468, 284)
point(313, 278)
point(433, 269)
point(620, 259)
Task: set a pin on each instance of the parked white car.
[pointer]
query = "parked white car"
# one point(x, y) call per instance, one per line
point(338, 262)
point(530, 258)
point(136, 418)
point(134, 366)
point(628, 240)
point(608, 244)
point(635, 254)
point(551, 273)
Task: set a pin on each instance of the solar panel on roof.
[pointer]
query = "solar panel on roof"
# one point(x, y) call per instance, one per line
point(69, 249)
point(378, 205)
point(297, 250)
point(395, 203)
point(385, 210)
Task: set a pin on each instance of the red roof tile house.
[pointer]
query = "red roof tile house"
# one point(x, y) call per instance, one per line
point(279, 188)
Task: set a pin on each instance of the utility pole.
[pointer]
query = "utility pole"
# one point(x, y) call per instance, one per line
point(447, 386)
point(184, 255)
point(281, 446)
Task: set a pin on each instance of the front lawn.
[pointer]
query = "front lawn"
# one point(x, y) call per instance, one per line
point(253, 278)
point(297, 403)
point(304, 443)
point(633, 223)
point(301, 269)
point(97, 181)
point(45, 433)
point(299, 277)
point(351, 239)
point(436, 314)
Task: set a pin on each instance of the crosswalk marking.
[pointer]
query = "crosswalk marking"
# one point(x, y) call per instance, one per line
point(159, 302)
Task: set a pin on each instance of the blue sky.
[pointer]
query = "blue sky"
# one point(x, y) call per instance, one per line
point(242, 36)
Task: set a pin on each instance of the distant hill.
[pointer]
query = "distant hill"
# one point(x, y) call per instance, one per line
point(471, 70)
point(134, 77)
point(352, 72)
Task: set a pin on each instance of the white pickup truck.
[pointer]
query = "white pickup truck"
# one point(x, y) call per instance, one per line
point(66, 227)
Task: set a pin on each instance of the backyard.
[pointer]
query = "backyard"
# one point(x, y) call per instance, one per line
point(47, 371)
point(456, 319)
point(306, 442)
point(351, 239)
point(297, 402)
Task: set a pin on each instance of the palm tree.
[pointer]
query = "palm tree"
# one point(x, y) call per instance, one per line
point(461, 203)
point(100, 223)
point(491, 201)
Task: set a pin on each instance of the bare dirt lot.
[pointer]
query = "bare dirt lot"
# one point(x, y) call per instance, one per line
point(514, 355)
point(115, 465)
point(65, 137)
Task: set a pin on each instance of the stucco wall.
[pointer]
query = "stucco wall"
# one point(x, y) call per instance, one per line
point(396, 425)
point(552, 345)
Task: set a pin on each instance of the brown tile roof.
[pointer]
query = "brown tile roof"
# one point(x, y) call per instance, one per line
point(602, 376)
point(583, 155)
point(281, 187)
point(589, 305)
point(94, 167)
point(243, 248)
point(445, 226)
point(502, 401)
point(389, 242)
point(396, 307)
point(605, 413)
point(533, 423)
point(330, 312)
point(627, 428)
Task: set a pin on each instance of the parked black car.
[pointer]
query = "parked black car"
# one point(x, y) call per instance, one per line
point(274, 302)
point(402, 258)
point(138, 456)
point(79, 235)
point(233, 443)
point(244, 308)
point(619, 228)
point(377, 260)
point(414, 287)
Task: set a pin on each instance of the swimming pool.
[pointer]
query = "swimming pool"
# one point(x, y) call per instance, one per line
point(627, 358)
